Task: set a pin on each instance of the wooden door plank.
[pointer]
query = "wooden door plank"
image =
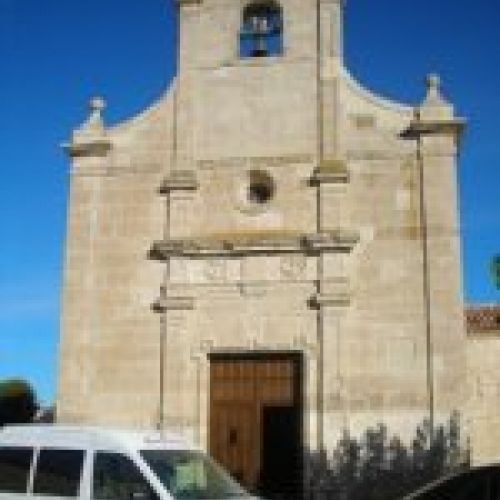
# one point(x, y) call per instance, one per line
point(240, 389)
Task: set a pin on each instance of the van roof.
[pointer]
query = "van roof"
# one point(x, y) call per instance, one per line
point(87, 437)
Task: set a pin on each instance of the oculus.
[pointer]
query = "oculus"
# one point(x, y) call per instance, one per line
point(261, 187)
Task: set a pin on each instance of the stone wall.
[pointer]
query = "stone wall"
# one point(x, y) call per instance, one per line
point(353, 260)
point(483, 351)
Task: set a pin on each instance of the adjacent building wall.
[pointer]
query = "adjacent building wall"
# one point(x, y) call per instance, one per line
point(483, 354)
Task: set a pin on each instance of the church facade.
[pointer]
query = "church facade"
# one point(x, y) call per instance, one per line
point(269, 254)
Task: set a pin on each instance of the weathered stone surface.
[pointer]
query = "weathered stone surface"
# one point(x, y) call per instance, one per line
point(359, 220)
point(483, 370)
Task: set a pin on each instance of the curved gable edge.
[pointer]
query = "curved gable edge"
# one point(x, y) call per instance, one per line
point(159, 112)
point(381, 105)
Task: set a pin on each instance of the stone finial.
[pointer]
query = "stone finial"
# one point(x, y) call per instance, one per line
point(434, 83)
point(435, 105)
point(434, 98)
point(434, 94)
point(94, 124)
point(90, 139)
point(97, 105)
point(436, 115)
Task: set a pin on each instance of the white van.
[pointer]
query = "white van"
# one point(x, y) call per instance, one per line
point(60, 462)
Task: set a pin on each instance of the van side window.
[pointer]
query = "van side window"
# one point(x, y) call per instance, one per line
point(116, 477)
point(15, 466)
point(58, 472)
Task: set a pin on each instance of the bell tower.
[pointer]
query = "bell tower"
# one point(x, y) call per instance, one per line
point(253, 64)
point(220, 32)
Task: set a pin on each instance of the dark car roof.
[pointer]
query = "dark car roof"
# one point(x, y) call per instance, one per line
point(428, 488)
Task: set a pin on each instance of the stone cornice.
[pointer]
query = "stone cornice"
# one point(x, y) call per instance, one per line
point(332, 299)
point(341, 240)
point(97, 147)
point(233, 246)
point(330, 172)
point(435, 127)
point(164, 304)
point(342, 3)
point(335, 293)
point(179, 180)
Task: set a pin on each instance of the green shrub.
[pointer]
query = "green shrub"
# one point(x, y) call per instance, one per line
point(17, 402)
point(382, 467)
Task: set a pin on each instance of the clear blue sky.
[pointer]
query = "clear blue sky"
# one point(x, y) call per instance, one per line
point(56, 54)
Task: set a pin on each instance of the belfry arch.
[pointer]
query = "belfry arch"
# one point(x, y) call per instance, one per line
point(261, 32)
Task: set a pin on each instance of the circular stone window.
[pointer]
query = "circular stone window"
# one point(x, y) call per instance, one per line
point(260, 187)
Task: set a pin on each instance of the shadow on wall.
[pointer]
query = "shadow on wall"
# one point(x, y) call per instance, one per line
point(379, 466)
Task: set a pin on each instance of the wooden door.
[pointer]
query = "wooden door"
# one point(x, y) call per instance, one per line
point(252, 397)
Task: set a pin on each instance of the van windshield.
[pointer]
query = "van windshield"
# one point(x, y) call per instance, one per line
point(191, 475)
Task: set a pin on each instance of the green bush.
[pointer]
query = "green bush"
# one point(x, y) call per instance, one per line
point(18, 403)
point(382, 467)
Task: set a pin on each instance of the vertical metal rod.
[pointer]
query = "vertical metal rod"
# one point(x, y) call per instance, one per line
point(163, 328)
point(319, 227)
point(166, 273)
point(319, 84)
point(426, 289)
point(163, 320)
point(198, 402)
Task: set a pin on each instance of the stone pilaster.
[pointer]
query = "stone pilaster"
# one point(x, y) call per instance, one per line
point(438, 131)
point(88, 148)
